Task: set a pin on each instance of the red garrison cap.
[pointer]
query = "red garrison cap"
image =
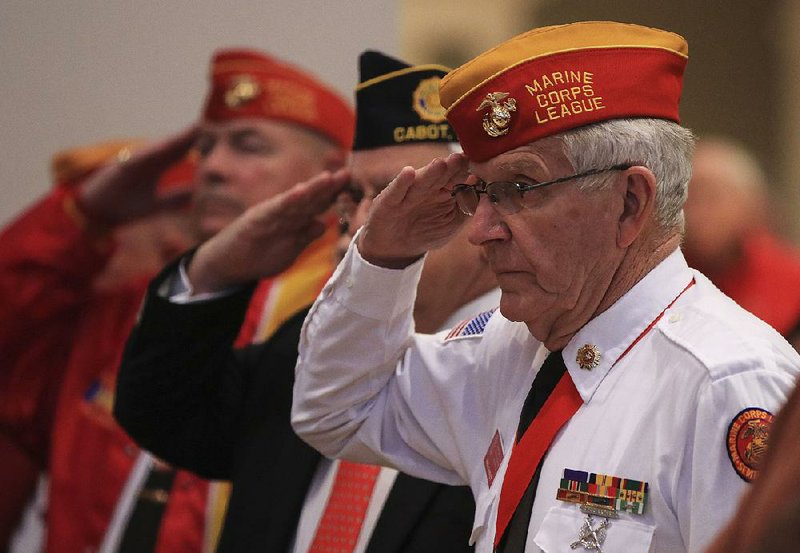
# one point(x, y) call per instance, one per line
point(247, 83)
point(557, 78)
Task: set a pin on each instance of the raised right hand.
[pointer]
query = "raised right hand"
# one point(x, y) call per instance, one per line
point(267, 238)
point(414, 214)
point(126, 191)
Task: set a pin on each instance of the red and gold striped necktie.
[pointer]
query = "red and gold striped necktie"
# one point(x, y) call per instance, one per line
point(341, 522)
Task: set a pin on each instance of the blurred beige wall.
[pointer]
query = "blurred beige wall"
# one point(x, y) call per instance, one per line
point(82, 71)
point(452, 31)
point(743, 77)
point(789, 107)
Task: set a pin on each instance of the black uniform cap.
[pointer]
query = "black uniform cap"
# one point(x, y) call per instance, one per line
point(397, 103)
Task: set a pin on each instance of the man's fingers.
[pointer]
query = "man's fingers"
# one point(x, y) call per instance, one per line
point(457, 165)
point(437, 175)
point(395, 193)
point(317, 194)
point(156, 157)
point(293, 209)
point(326, 187)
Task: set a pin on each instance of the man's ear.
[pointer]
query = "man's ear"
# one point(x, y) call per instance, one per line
point(638, 204)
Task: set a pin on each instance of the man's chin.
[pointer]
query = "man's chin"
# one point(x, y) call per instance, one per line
point(519, 306)
point(510, 307)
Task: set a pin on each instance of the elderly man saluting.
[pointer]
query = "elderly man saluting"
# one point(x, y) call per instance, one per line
point(617, 401)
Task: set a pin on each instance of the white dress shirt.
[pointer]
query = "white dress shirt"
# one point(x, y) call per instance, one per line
point(369, 390)
point(322, 483)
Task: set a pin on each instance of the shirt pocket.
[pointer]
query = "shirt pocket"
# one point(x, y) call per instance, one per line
point(562, 527)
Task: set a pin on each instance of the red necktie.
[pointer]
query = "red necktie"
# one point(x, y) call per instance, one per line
point(344, 513)
point(540, 421)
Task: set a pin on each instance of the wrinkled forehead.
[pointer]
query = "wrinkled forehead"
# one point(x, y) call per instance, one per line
point(537, 160)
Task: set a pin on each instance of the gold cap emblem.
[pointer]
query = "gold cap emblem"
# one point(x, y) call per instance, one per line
point(425, 100)
point(496, 120)
point(124, 154)
point(242, 90)
point(588, 357)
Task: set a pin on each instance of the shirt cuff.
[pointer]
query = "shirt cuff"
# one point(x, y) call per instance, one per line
point(178, 289)
point(376, 292)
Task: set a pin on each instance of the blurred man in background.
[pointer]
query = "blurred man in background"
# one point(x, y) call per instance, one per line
point(729, 236)
point(265, 126)
point(141, 248)
point(229, 418)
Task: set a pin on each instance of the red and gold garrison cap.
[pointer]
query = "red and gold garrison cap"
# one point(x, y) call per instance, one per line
point(72, 165)
point(557, 78)
point(248, 83)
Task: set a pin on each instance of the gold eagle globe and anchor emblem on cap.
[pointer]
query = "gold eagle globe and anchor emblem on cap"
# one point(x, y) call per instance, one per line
point(242, 90)
point(588, 357)
point(425, 101)
point(496, 121)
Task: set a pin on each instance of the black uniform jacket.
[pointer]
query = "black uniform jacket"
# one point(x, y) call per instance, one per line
point(188, 396)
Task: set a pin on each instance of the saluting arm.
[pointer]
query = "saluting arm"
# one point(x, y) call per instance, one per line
point(364, 387)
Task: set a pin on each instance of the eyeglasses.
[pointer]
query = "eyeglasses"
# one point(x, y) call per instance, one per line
point(506, 196)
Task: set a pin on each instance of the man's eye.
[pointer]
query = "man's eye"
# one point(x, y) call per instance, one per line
point(203, 145)
point(250, 142)
point(250, 145)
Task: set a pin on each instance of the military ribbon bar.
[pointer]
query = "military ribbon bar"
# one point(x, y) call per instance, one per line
point(603, 491)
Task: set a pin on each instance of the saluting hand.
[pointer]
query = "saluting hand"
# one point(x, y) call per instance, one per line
point(268, 237)
point(414, 214)
point(126, 191)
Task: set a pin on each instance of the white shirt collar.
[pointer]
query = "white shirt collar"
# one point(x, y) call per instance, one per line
point(614, 330)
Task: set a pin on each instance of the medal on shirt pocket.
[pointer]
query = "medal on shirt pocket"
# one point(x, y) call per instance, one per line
point(590, 515)
point(565, 529)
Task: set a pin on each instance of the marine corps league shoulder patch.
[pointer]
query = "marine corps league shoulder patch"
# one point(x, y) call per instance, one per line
point(747, 440)
point(470, 327)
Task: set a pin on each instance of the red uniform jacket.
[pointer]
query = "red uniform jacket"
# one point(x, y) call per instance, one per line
point(766, 281)
point(60, 346)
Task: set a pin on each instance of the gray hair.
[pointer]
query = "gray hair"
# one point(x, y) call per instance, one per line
point(662, 146)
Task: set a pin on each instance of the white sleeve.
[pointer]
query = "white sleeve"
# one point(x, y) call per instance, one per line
point(367, 388)
point(709, 486)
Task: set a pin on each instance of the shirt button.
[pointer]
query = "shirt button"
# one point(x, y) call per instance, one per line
point(675, 317)
point(348, 282)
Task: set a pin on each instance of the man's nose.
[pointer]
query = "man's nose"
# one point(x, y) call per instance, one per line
point(213, 167)
point(486, 224)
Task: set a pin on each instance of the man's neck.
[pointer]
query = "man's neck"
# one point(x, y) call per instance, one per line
point(638, 261)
